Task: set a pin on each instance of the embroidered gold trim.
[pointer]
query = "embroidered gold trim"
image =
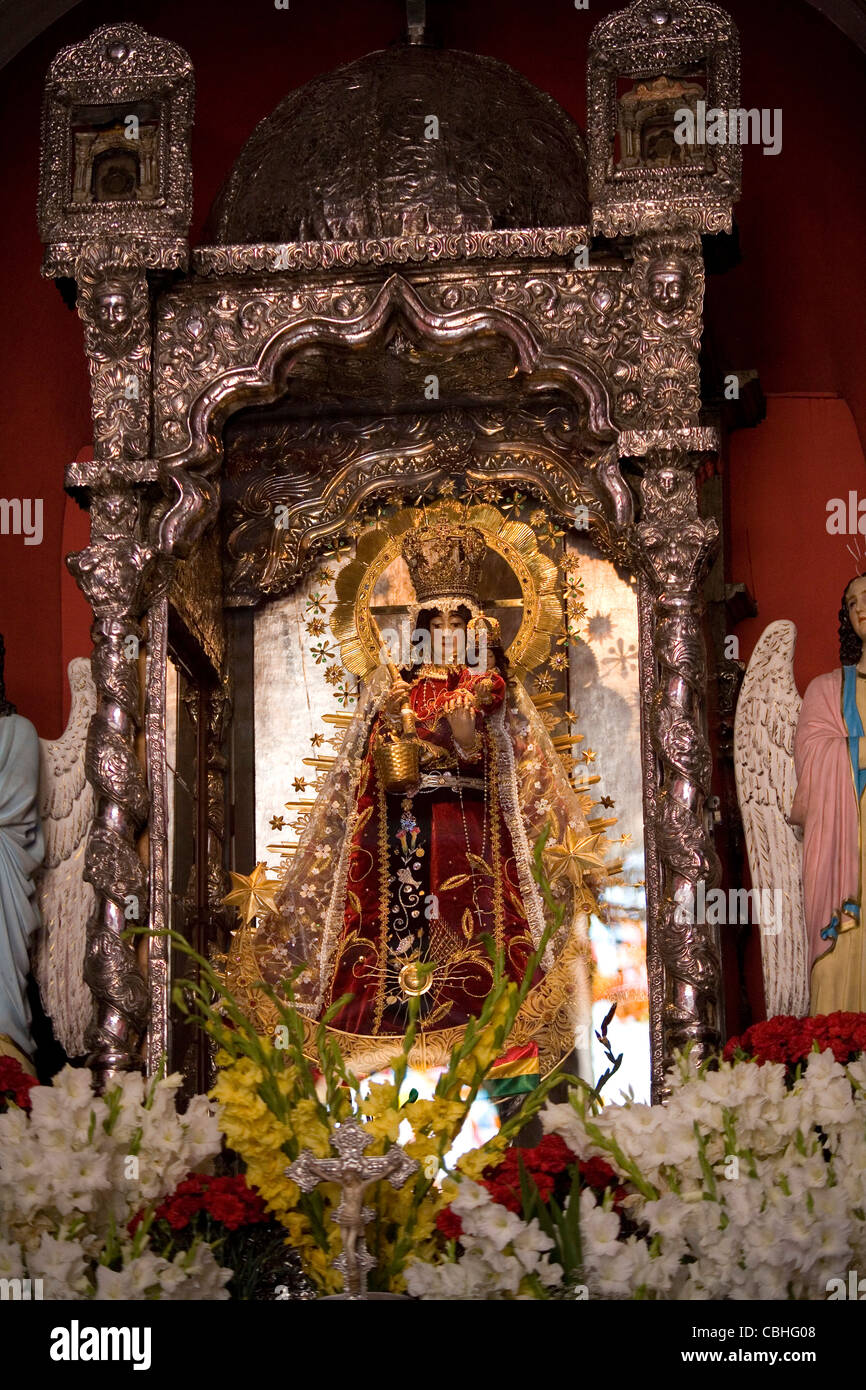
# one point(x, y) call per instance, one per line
point(384, 903)
point(496, 849)
point(429, 671)
point(514, 820)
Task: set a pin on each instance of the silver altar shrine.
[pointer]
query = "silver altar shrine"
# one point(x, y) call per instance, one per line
point(553, 286)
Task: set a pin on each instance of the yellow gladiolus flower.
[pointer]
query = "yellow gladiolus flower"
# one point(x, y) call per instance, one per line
point(437, 1116)
point(381, 1097)
point(309, 1130)
point(384, 1126)
point(473, 1163)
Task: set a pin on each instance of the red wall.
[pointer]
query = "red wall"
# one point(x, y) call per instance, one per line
point(793, 309)
point(781, 477)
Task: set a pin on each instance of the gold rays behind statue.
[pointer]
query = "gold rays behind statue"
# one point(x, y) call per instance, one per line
point(352, 622)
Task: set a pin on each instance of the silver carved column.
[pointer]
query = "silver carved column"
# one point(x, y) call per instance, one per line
point(116, 573)
point(675, 548)
point(115, 200)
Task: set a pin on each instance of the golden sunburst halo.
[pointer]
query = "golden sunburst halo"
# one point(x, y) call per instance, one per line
point(352, 622)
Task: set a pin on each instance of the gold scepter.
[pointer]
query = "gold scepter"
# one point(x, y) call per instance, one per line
point(398, 760)
point(407, 714)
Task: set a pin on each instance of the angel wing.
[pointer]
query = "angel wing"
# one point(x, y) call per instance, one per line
point(66, 805)
point(764, 728)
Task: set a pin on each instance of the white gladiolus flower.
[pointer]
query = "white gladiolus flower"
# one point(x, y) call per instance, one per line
point(503, 1271)
point(172, 1277)
point(160, 1132)
point(828, 1089)
point(206, 1279)
point(564, 1121)
point(74, 1084)
point(112, 1285)
point(60, 1264)
point(67, 1165)
point(423, 1279)
point(781, 1215)
point(496, 1225)
point(600, 1230)
point(857, 1070)
point(463, 1279)
point(11, 1263)
point(29, 1193)
point(530, 1240)
point(470, 1197)
point(665, 1217)
point(145, 1273)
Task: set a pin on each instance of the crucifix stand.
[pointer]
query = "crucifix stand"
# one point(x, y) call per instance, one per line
point(354, 1174)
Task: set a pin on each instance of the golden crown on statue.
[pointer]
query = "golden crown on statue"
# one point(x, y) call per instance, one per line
point(445, 561)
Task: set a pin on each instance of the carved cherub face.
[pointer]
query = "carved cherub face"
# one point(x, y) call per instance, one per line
point(855, 602)
point(112, 308)
point(667, 286)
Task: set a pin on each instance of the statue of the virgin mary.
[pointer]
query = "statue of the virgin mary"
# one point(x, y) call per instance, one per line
point(418, 853)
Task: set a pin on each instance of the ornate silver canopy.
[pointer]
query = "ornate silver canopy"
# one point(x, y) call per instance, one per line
point(413, 212)
point(407, 141)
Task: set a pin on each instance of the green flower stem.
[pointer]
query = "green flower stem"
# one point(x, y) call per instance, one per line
point(706, 1166)
point(626, 1165)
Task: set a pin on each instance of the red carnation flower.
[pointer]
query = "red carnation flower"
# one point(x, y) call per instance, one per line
point(229, 1200)
point(229, 1210)
point(790, 1040)
point(15, 1084)
point(234, 1203)
point(449, 1223)
point(543, 1165)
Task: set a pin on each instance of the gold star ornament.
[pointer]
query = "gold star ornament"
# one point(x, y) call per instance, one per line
point(574, 857)
point(252, 893)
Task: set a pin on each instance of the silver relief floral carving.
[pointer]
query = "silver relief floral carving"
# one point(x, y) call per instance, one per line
point(654, 184)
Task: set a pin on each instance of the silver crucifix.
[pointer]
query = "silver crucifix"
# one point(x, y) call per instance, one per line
point(354, 1173)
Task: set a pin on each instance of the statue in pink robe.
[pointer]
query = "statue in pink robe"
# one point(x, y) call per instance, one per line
point(830, 760)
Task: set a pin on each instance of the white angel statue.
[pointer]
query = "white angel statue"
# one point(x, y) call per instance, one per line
point(66, 900)
point(46, 807)
point(801, 774)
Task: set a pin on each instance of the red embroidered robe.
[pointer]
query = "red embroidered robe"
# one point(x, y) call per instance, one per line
point(431, 874)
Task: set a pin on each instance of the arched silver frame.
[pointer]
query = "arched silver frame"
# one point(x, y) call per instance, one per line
point(169, 371)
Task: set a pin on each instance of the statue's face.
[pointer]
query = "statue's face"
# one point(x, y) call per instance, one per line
point(448, 633)
point(855, 600)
